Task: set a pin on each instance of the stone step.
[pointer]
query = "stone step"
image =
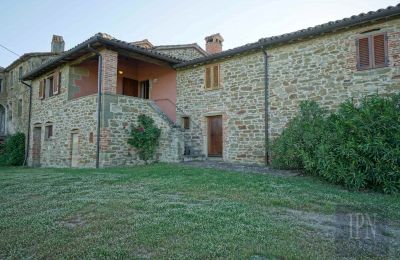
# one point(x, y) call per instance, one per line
point(191, 157)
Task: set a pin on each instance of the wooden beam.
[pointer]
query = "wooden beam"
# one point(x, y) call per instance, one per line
point(144, 58)
point(82, 59)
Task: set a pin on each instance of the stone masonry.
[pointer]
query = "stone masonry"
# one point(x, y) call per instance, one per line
point(15, 92)
point(120, 113)
point(240, 101)
point(321, 69)
point(182, 53)
point(324, 69)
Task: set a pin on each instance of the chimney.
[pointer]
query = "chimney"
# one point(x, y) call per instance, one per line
point(57, 44)
point(214, 43)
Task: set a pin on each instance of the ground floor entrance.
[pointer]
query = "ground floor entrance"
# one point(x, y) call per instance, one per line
point(36, 146)
point(215, 137)
point(74, 150)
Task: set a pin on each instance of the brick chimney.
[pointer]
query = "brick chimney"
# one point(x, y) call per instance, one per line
point(57, 44)
point(214, 43)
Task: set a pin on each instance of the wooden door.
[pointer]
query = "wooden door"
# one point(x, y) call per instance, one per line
point(215, 136)
point(36, 146)
point(130, 87)
point(74, 150)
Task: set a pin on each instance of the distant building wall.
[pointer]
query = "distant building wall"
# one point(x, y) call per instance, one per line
point(182, 53)
point(15, 92)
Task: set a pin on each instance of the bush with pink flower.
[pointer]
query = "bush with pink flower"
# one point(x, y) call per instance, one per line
point(145, 137)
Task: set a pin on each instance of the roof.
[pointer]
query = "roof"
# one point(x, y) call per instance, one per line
point(27, 56)
point(98, 40)
point(1, 69)
point(142, 43)
point(332, 26)
point(181, 46)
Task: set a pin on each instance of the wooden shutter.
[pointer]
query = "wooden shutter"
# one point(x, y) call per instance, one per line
point(41, 88)
point(364, 59)
point(379, 50)
point(208, 78)
point(215, 76)
point(186, 122)
point(56, 82)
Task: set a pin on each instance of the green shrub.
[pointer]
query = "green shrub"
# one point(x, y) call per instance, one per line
point(144, 137)
point(13, 151)
point(358, 147)
point(292, 149)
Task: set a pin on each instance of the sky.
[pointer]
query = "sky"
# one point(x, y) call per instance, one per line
point(28, 26)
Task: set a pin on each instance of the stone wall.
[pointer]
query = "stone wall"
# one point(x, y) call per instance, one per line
point(240, 101)
point(120, 113)
point(321, 69)
point(14, 91)
point(324, 69)
point(66, 116)
point(182, 53)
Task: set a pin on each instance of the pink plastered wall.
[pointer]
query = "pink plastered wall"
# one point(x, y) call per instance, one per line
point(162, 82)
point(85, 79)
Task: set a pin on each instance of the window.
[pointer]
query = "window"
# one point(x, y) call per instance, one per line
point(50, 86)
point(48, 132)
point(130, 87)
point(19, 112)
point(9, 111)
point(57, 84)
point(212, 77)
point(372, 52)
point(1, 85)
point(42, 88)
point(145, 89)
point(20, 72)
point(91, 137)
point(186, 122)
point(11, 77)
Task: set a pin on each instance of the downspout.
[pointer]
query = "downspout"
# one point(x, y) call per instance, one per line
point(99, 94)
point(266, 106)
point(28, 135)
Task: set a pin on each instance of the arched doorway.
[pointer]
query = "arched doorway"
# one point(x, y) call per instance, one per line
point(2, 120)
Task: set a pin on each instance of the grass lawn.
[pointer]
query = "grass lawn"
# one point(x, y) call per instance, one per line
point(175, 211)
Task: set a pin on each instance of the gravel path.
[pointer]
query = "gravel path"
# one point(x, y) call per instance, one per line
point(216, 164)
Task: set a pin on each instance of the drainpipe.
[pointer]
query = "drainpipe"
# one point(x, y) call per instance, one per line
point(28, 136)
point(266, 105)
point(99, 94)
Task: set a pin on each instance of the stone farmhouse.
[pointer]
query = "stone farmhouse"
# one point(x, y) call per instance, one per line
point(77, 106)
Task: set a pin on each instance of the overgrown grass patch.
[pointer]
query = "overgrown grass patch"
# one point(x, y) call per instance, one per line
point(173, 211)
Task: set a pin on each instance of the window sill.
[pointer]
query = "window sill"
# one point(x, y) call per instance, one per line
point(49, 98)
point(212, 89)
point(374, 68)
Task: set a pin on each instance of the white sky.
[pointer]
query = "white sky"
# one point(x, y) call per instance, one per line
point(27, 26)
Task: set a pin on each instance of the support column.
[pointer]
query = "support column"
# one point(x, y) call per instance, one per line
point(109, 71)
